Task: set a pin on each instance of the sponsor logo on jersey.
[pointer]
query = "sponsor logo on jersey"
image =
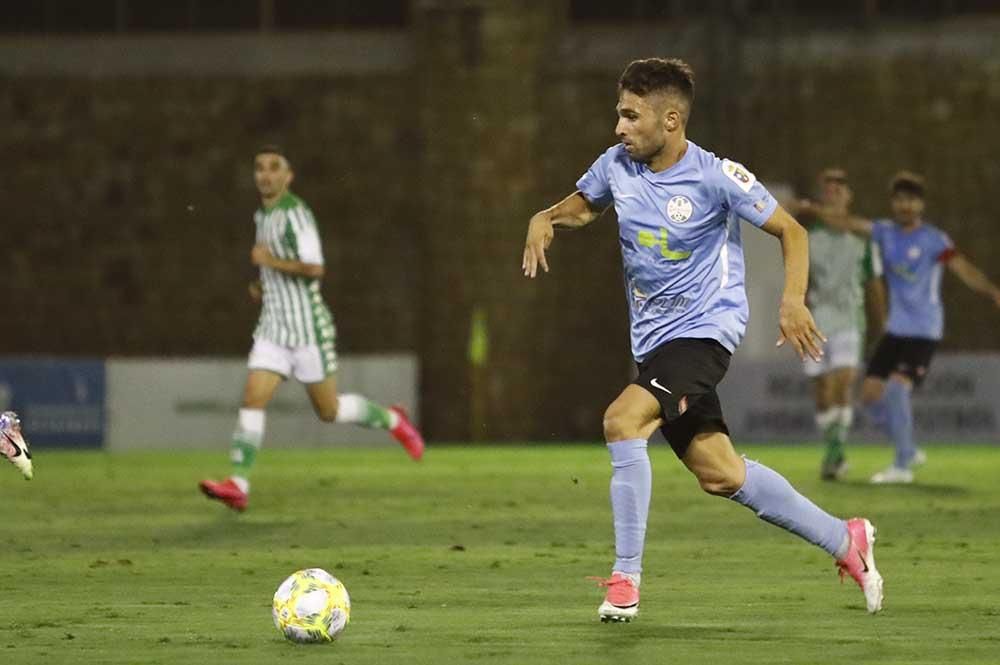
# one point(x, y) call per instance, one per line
point(739, 174)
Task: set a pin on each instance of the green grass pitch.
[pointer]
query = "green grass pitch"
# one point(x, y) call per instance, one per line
point(480, 554)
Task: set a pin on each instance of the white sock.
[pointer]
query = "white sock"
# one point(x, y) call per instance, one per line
point(359, 410)
point(241, 482)
point(826, 418)
point(252, 421)
point(847, 417)
point(246, 442)
point(351, 408)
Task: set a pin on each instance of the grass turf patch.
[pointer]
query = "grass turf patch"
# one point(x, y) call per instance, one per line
point(479, 554)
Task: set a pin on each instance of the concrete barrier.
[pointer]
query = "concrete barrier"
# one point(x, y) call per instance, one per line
point(772, 401)
point(191, 403)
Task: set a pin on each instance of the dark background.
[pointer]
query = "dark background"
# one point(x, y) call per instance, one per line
point(424, 147)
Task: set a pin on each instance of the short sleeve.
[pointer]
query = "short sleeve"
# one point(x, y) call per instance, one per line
point(595, 184)
point(310, 249)
point(740, 192)
point(878, 235)
point(946, 248)
point(871, 264)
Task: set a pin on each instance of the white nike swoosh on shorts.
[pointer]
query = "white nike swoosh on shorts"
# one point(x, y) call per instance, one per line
point(656, 384)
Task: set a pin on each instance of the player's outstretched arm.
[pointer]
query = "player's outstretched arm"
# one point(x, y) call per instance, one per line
point(794, 319)
point(572, 212)
point(262, 256)
point(836, 218)
point(974, 278)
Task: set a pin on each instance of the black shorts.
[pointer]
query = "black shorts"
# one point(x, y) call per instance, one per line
point(682, 375)
point(904, 355)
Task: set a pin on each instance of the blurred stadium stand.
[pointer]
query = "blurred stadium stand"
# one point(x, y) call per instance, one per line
point(424, 135)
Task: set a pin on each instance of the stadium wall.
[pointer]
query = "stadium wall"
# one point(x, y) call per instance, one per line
point(190, 403)
point(771, 401)
point(184, 403)
point(424, 160)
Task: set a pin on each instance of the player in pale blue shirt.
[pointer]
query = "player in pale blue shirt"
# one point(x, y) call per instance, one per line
point(679, 209)
point(914, 255)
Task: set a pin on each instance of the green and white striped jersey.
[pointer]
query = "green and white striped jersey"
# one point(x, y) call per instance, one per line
point(840, 264)
point(293, 312)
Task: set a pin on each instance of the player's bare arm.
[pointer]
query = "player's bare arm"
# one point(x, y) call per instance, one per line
point(974, 278)
point(876, 307)
point(794, 319)
point(572, 212)
point(261, 256)
point(836, 217)
point(256, 290)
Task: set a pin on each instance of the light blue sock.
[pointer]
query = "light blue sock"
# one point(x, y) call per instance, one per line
point(774, 500)
point(631, 485)
point(875, 411)
point(899, 422)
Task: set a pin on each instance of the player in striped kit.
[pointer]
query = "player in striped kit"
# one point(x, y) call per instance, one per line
point(295, 335)
point(843, 270)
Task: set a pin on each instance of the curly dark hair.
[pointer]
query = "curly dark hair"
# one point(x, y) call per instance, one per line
point(642, 77)
point(908, 182)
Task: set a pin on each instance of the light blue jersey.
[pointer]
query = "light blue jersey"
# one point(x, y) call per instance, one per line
point(680, 236)
point(913, 262)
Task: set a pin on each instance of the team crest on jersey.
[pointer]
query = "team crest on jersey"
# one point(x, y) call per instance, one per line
point(913, 253)
point(679, 209)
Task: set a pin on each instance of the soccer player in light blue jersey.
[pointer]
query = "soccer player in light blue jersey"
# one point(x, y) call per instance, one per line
point(679, 209)
point(914, 254)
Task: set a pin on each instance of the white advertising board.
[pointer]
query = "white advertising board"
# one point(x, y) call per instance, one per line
point(766, 400)
point(191, 403)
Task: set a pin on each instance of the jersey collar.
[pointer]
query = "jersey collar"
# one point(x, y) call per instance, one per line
point(673, 170)
point(285, 198)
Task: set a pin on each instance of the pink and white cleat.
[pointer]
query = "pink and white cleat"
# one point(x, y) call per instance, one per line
point(407, 434)
point(621, 603)
point(859, 562)
point(12, 444)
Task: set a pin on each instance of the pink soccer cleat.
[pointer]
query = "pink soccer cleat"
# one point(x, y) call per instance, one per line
point(859, 562)
point(621, 602)
point(12, 444)
point(407, 435)
point(225, 491)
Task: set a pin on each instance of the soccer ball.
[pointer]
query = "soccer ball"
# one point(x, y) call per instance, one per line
point(311, 606)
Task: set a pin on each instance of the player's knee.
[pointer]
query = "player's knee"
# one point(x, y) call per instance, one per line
point(720, 482)
point(903, 379)
point(871, 391)
point(327, 413)
point(619, 425)
point(720, 475)
point(253, 401)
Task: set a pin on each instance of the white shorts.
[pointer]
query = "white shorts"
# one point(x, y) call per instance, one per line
point(308, 364)
point(842, 349)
